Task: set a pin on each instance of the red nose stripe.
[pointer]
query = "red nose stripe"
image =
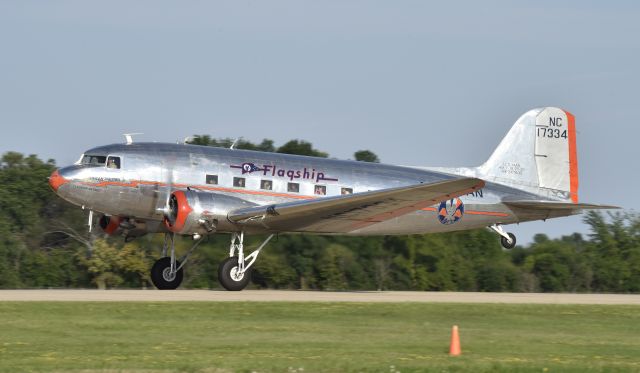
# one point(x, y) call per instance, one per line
point(56, 181)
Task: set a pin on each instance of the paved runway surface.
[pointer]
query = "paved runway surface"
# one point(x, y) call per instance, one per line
point(311, 296)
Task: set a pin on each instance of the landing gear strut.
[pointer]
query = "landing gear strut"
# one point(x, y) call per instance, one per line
point(507, 239)
point(167, 273)
point(234, 272)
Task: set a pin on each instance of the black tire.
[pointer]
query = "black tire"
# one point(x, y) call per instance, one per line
point(225, 278)
point(506, 244)
point(160, 271)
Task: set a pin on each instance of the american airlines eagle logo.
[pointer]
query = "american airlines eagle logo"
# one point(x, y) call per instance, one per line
point(248, 168)
point(450, 212)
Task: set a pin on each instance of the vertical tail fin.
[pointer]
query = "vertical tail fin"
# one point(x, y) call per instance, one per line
point(538, 154)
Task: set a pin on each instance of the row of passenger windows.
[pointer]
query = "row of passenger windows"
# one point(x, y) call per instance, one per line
point(240, 182)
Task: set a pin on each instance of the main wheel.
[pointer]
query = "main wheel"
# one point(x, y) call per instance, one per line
point(229, 277)
point(508, 244)
point(162, 277)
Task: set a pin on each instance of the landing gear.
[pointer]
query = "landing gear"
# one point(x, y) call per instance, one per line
point(167, 273)
point(508, 243)
point(163, 277)
point(234, 273)
point(230, 276)
point(507, 239)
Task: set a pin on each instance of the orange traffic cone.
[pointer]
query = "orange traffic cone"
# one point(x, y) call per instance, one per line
point(454, 348)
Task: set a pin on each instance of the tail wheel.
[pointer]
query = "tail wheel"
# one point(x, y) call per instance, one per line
point(162, 277)
point(508, 243)
point(229, 276)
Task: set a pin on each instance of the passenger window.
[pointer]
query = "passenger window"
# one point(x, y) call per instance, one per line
point(344, 191)
point(212, 179)
point(238, 182)
point(266, 184)
point(293, 187)
point(113, 163)
point(320, 190)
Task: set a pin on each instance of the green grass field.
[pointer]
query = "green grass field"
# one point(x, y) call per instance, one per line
point(316, 337)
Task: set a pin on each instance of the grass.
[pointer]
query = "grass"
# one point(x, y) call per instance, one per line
point(316, 337)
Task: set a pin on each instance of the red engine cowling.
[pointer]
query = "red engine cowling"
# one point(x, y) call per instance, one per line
point(195, 212)
point(110, 224)
point(127, 227)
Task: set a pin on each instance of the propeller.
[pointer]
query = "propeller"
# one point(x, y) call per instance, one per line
point(172, 211)
point(169, 207)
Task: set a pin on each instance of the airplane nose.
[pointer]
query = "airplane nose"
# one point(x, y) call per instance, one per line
point(56, 180)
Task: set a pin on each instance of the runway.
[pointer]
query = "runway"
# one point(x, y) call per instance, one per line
point(311, 296)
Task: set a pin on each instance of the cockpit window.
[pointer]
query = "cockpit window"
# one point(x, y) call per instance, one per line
point(113, 162)
point(95, 160)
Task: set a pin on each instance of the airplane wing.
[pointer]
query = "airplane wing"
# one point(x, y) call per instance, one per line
point(555, 206)
point(348, 213)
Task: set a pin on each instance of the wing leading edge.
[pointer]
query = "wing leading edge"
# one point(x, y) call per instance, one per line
point(349, 213)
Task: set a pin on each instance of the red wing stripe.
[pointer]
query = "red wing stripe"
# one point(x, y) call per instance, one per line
point(472, 212)
point(487, 213)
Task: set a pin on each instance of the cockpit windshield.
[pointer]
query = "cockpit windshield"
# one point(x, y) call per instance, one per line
point(94, 160)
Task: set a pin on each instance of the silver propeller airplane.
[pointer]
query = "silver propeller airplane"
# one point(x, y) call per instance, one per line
point(195, 191)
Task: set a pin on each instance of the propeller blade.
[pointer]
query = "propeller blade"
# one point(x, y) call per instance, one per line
point(168, 207)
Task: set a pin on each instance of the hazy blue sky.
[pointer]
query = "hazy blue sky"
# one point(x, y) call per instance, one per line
point(416, 82)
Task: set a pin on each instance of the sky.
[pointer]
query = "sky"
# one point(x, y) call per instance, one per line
point(418, 83)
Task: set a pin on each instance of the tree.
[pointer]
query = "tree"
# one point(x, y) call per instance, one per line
point(366, 156)
point(265, 146)
point(614, 251)
point(338, 268)
point(103, 265)
point(24, 189)
point(298, 147)
point(301, 147)
point(498, 276)
point(110, 265)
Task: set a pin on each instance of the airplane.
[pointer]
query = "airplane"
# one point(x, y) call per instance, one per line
point(195, 191)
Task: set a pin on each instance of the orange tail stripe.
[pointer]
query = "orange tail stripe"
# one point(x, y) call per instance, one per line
point(573, 158)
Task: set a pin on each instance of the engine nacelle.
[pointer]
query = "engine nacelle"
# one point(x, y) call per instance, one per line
point(110, 224)
point(195, 212)
point(127, 227)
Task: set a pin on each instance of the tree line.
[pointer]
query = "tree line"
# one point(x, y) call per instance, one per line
point(45, 243)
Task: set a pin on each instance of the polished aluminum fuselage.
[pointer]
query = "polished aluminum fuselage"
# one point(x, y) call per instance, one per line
point(150, 171)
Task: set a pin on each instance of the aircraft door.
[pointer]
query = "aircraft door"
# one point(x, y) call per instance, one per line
point(124, 181)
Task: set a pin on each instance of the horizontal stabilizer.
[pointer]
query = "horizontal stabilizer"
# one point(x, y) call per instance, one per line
point(553, 205)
